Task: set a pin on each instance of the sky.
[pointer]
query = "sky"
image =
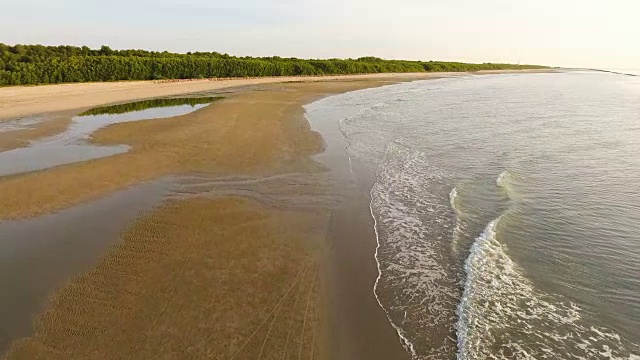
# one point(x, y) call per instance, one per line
point(586, 33)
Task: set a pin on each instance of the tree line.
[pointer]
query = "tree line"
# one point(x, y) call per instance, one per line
point(38, 64)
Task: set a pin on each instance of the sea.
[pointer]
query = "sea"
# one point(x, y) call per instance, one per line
point(506, 209)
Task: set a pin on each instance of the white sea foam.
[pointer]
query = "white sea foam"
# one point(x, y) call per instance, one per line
point(417, 282)
point(458, 229)
point(403, 338)
point(453, 196)
point(502, 178)
point(365, 131)
point(503, 316)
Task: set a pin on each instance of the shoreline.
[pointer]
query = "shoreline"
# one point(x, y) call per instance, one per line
point(17, 101)
point(359, 327)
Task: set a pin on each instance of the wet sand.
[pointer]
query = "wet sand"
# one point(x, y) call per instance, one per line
point(37, 255)
point(223, 278)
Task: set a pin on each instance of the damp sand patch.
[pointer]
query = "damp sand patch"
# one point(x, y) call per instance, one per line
point(40, 254)
point(197, 279)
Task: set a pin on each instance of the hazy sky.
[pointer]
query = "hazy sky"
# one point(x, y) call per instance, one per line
point(586, 33)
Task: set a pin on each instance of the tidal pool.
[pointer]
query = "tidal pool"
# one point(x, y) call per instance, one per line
point(73, 145)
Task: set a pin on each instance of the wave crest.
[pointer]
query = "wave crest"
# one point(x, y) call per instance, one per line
point(503, 316)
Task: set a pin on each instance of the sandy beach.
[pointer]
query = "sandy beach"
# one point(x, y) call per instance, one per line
point(233, 261)
point(207, 273)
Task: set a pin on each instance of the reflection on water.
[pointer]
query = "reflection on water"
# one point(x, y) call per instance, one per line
point(149, 104)
point(72, 145)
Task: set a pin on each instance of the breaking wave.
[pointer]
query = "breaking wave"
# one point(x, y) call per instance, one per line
point(502, 315)
point(417, 284)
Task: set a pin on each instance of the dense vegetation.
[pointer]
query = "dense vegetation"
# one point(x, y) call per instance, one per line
point(147, 104)
point(38, 64)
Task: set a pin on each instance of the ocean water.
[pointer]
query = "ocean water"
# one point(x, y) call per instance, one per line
point(507, 211)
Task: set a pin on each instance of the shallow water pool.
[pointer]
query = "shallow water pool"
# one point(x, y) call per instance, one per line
point(73, 145)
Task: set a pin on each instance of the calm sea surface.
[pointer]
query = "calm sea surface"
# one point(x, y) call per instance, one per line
point(507, 211)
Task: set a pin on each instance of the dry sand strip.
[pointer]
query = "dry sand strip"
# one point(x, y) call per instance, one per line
point(20, 101)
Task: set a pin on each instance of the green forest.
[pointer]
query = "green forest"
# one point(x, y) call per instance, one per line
point(38, 64)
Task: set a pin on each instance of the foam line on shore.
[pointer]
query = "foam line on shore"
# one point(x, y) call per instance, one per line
point(405, 342)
